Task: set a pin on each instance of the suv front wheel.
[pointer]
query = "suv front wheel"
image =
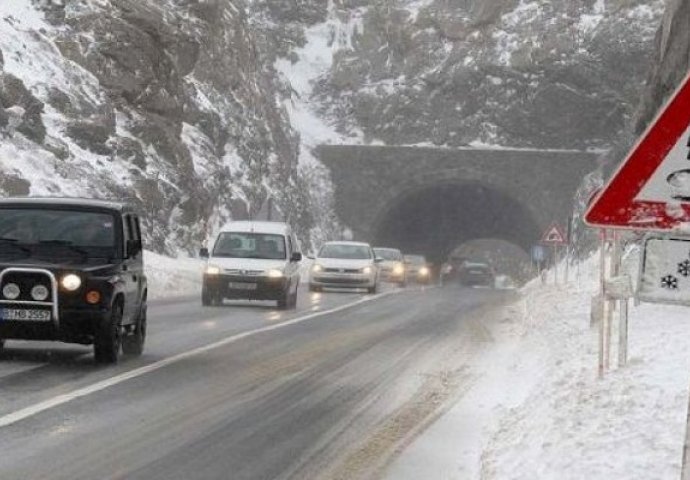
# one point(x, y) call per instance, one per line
point(108, 341)
point(133, 343)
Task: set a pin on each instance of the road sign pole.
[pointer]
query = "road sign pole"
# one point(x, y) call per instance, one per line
point(602, 318)
point(623, 334)
point(567, 263)
point(555, 264)
point(685, 471)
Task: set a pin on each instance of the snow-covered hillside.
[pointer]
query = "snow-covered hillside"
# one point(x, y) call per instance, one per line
point(166, 103)
point(564, 74)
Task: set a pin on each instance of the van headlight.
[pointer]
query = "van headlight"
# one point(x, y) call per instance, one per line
point(70, 282)
point(274, 273)
point(317, 268)
point(424, 271)
point(212, 270)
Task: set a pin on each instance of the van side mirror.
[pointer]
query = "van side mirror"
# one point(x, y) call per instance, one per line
point(296, 257)
point(203, 253)
point(134, 248)
point(311, 256)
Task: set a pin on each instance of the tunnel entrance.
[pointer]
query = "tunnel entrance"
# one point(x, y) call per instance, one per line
point(435, 220)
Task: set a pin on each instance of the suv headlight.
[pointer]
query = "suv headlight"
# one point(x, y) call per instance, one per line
point(274, 273)
point(40, 293)
point(367, 270)
point(212, 270)
point(11, 291)
point(70, 282)
point(398, 269)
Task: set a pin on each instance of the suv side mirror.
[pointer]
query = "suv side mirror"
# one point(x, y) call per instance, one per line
point(203, 253)
point(296, 257)
point(134, 248)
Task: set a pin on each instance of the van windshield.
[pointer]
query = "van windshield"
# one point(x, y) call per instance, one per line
point(250, 245)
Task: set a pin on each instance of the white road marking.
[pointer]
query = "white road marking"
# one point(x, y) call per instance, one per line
point(24, 413)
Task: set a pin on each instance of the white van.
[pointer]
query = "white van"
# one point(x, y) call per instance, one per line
point(252, 261)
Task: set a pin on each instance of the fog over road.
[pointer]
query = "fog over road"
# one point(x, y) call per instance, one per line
point(330, 396)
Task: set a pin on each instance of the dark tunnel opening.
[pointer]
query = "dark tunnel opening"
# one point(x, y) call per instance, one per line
point(435, 220)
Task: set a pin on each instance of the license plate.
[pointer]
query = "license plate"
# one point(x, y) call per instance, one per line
point(241, 286)
point(25, 315)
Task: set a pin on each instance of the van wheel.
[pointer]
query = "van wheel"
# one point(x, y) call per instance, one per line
point(293, 300)
point(108, 341)
point(206, 298)
point(133, 344)
point(284, 300)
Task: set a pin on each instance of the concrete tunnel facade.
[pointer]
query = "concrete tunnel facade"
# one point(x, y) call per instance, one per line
point(430, 200)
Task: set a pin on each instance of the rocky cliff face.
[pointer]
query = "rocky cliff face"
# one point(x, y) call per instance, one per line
point(168, 103)
point(671, 62)
point(558, 74)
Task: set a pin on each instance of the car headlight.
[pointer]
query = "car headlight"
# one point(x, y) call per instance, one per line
point(274, 273)
point(316, 268)
point(71, 282)
point(212, 270)
point(367, 270)
point(11, 291)
point(40, 293)
point(398, 269)
point(424, 271)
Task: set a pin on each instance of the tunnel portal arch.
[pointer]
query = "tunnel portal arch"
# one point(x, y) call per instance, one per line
point(434, 219)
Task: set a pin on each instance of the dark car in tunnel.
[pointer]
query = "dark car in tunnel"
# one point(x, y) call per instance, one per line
point(467, 272)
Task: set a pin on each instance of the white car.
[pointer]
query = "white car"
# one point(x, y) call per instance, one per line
point(345, 265)
point(392, 266)
point(253, 261)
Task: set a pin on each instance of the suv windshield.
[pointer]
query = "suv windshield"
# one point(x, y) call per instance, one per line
point(250, 245)
point(388, 253)
point(350, 252)
point(27, 232)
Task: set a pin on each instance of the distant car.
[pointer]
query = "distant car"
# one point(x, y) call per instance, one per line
point(476, 274)
point(252, 261)
point(417, 269)
point(392, 266)
point(72, 270)
point(345, 265)
point(450, 270)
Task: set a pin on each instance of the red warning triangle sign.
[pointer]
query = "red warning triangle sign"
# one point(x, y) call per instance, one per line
point(554, 235)
point(651, 188)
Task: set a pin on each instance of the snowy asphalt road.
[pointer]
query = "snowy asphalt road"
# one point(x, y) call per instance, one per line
point(332, 396)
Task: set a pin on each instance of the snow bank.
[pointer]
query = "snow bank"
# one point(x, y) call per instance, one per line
point(572, 425)
point(172, 277)
point(538, 410)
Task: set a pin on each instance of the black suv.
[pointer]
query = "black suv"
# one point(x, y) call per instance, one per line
point(72, 270)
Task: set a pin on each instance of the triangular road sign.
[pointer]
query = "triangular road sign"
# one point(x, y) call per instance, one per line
point(554, 235)
point(651, 188)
